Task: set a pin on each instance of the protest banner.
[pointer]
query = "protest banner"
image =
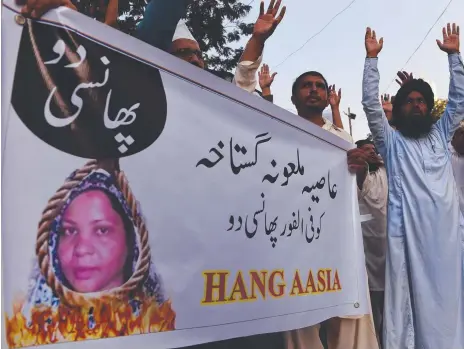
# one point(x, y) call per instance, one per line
point(150, 204)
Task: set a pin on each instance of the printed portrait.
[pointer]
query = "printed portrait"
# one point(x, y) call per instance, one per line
point(94, 276)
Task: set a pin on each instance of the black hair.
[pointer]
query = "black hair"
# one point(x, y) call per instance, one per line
point(417, 85)
point(302, 76)
point(364, 142)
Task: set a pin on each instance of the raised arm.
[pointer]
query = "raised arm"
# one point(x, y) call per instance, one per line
point(160, 21)
point(112, 12)
point(266, 24)
point(454, 112)
point(334, 101)
point(378, 123)
point(265, 81)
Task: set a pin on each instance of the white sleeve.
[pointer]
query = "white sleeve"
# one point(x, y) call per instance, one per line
point(245, 74)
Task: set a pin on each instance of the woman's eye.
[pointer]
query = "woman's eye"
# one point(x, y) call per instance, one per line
point(69, 231)
point(102, 230)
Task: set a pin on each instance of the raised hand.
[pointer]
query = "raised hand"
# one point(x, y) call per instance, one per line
point(357, 161)
point(387, 104)
point(334, 98)
point(268, 21)
point(404, 77)
point(373, 47)
point(265, 77)
point(450, 42)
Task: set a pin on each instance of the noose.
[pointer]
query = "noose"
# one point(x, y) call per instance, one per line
point(54, 207)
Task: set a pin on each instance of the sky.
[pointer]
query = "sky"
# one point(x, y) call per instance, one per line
point(338, 51)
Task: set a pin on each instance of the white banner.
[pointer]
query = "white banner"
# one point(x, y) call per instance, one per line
point(214, 215)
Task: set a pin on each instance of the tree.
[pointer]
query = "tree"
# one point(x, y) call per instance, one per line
point(439, 108)
point(215, 24)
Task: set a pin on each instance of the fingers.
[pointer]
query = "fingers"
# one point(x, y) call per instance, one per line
point(381, 43)
point(270, 7)
point(357, 168)
point(273, 76)
point(445, 36)
point(340, 93)
point(452, 29)
point(261, 9)
point(440, 44)
point(28, 7)
point(275, 10)
point(402, 75)
point(368, 33)
point(281, 15)
point(374, 36)
point(20, 2)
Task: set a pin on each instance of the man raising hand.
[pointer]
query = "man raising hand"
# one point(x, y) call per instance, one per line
point(266, 24)
point(424, 290)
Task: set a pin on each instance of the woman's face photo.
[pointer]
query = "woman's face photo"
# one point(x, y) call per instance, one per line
point(92, 248)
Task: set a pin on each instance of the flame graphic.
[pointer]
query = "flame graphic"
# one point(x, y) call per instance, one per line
point(63, 324)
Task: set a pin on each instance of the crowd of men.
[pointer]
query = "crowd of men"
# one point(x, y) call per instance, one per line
point(410, 177)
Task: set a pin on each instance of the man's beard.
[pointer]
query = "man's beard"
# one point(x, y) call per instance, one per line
point(414, 126)
point(374, 162)
point(315, 109)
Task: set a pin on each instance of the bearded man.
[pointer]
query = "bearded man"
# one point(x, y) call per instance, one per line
point(424, 290)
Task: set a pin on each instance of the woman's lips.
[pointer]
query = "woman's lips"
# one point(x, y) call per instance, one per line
point(84, 273)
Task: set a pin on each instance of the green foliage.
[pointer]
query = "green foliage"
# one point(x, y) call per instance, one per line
point(215, 24)
point(439, 108)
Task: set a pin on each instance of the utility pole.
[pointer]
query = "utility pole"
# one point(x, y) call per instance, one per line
point(351, 116)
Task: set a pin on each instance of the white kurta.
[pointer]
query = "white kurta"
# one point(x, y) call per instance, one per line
point(458, 170)
point(373, 200)
point(424, 290)
point(245, 75)
point(350, 332)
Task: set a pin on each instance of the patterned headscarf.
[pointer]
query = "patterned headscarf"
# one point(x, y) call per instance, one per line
point(40, 292)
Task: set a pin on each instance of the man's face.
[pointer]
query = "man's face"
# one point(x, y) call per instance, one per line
point(311, 94)
point(370, 150)
point(372, 157)
point(416, 119)
point(189, 51)
point(414, 105)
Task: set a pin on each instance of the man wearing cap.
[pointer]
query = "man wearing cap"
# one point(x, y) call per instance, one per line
point(424, 287)
point(185, 47)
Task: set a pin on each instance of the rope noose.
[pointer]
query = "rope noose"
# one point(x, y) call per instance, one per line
point(50, 212)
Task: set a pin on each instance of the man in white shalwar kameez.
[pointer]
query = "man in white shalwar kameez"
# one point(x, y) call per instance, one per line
point(424, 291)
